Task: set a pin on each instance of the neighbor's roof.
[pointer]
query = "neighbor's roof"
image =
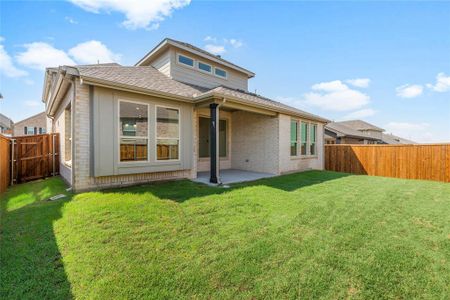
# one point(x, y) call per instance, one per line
point(360, 125)
point(344, 130)
point(193, 49)
point(33, 116)
point(148, 80)
point(393, 139)
point(5, 121)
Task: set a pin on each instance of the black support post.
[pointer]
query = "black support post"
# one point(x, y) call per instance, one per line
point(213, 142)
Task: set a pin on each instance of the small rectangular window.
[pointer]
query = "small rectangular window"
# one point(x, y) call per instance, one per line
point(204, 67)
point(167, 133)
point(220, 72)
point(312, 139)
point(29, 130)
point(185, 60)
point(294, 137)
point(304, 138)
point(133, 131)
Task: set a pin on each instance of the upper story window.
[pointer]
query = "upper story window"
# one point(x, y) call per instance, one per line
point(220, 72)
point(185, 60)
point(204, 67)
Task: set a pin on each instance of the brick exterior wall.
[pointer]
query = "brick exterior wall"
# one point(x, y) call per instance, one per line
point(288, 164)
point(38, 121)
point(254, 142)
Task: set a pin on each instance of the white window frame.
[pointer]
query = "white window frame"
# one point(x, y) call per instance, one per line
point(128, 137)
point(308, 139)
point(297, 154)
point(203, 71)
point(226, 73)
point(183, 64)
point(156, 134)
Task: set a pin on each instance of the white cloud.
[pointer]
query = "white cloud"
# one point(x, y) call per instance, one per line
point(359, 82)
point(360, 114)
point(29, 81)
point(91, 52)
point(33, 103)
point(7, 67)
point(335, 96)
point(40, 55)
point(71, 20)
point(235, 43)
point(442, 83)
point(145, 14)
point(418, 132)
point(409, 90)
point(215, 49)
point(210, 39)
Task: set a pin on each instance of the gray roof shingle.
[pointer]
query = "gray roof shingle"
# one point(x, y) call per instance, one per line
point(148, 78)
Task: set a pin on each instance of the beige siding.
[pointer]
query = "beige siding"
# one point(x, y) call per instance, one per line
point(162, 63)
point(254, 142)
point(292, 164)
point(183, 73)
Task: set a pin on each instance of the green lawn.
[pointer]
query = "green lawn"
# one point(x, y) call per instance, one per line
point(306, 235)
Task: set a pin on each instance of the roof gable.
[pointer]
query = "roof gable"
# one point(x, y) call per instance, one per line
point(161, 47)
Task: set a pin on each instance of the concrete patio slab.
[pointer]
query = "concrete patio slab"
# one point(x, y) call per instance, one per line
point(232, 176)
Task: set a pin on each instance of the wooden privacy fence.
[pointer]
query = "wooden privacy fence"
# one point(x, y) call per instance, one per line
point(27, 158)
point(5, 163)
point(429, 162)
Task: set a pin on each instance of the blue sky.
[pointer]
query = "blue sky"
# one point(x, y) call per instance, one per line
point(387, 63)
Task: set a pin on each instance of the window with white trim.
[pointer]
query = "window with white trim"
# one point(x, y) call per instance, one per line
point(220, 72)
point(313, 140)
point(167, 133)
point(304, 138)
point(204, 67)
point(294, 138)
point(133, 131)
point(185, 60)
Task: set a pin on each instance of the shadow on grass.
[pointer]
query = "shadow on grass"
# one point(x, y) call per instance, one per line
point(183, 190)
point(31, 263)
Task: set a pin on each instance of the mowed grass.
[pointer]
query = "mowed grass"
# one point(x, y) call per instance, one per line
point(307, 235)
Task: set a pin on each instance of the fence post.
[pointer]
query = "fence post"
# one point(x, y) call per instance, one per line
point(53, 155)
point(12, 161)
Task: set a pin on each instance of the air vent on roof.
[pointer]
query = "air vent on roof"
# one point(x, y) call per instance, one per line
point(218, 56)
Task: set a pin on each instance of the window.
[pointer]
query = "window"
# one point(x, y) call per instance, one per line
point(185, 60)
point(204, 67)
point(294, 137)
point(312, 139)
point(68, 135)
point(304, 138)
point(133, 131)
point(28, 130)
point(220, 72)
point(204, 138)
point(167, 133)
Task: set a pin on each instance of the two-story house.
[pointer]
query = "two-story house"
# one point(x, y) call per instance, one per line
point(178, 112)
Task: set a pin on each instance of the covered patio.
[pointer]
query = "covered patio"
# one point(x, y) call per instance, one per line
point(236, 142)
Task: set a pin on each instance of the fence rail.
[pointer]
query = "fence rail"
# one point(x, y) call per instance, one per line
point(428, 162)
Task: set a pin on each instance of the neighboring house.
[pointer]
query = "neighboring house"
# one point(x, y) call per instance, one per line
point(393, 139)
point(6, 125)
point(36, 124)
point(359, 132)
point(179, 111)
